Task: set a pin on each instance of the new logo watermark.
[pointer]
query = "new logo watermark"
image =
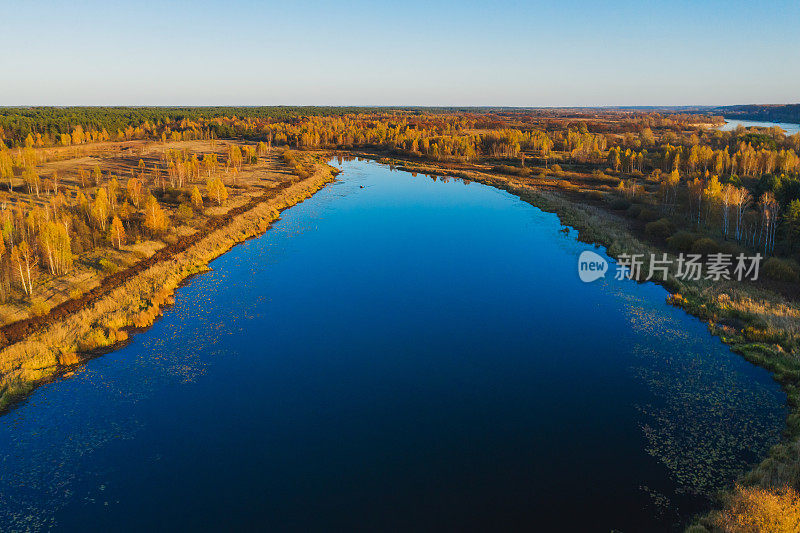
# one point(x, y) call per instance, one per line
point(714, 267)
point(591, 266)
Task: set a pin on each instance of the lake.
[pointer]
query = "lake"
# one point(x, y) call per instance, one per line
point(396, 353)
point(733, 123)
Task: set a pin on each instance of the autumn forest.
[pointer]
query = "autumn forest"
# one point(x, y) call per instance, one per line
point(60, 205)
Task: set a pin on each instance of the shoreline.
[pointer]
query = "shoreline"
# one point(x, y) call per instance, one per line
point(47, 348)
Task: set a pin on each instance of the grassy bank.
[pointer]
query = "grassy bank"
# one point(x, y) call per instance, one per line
point(51, 350)
point(754, 321)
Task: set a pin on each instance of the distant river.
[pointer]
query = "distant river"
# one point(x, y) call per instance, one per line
point(733, 123)
point(397, 353)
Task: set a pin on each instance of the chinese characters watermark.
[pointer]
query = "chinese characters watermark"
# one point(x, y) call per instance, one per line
point(689, 267)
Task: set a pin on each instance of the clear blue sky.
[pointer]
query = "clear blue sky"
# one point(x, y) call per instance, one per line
point(554, 53)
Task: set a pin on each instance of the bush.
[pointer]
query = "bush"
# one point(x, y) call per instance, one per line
point(107, 266)
point(516, 171)
point(39, 307)
point(95, 338)
point(732, 248)
point(705, 246)
point(779, 269)
point(171, 196)
point(556, 168)
point(289, 158)
point(761, 509)
point(634, 210)
point(682, 241)
point(660, 230)
point(647, 215)
point(620, 204)
point(301, 172)
point(184, 213)
point(595, 195)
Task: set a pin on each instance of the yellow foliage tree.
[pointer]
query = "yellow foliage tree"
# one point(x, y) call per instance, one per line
point(134, 187)
point(116, 234)
point(216, 189)
point(23, 263)
point(101, 208)
point(56, 248)
point(155, 220)
point(32, 181)
point(235, 156)
point(197, 198)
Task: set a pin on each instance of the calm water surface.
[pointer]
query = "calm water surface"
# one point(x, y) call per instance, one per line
point(733, 123)
point(397, 353)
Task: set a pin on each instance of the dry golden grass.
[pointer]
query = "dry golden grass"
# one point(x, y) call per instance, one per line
point(760, 510)
point(778, 313)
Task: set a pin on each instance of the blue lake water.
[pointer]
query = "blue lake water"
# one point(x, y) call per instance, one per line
point(396, 353)
point(733, 123)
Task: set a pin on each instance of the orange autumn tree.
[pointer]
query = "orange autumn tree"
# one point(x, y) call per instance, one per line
point(155, 220)
point(116, 233)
